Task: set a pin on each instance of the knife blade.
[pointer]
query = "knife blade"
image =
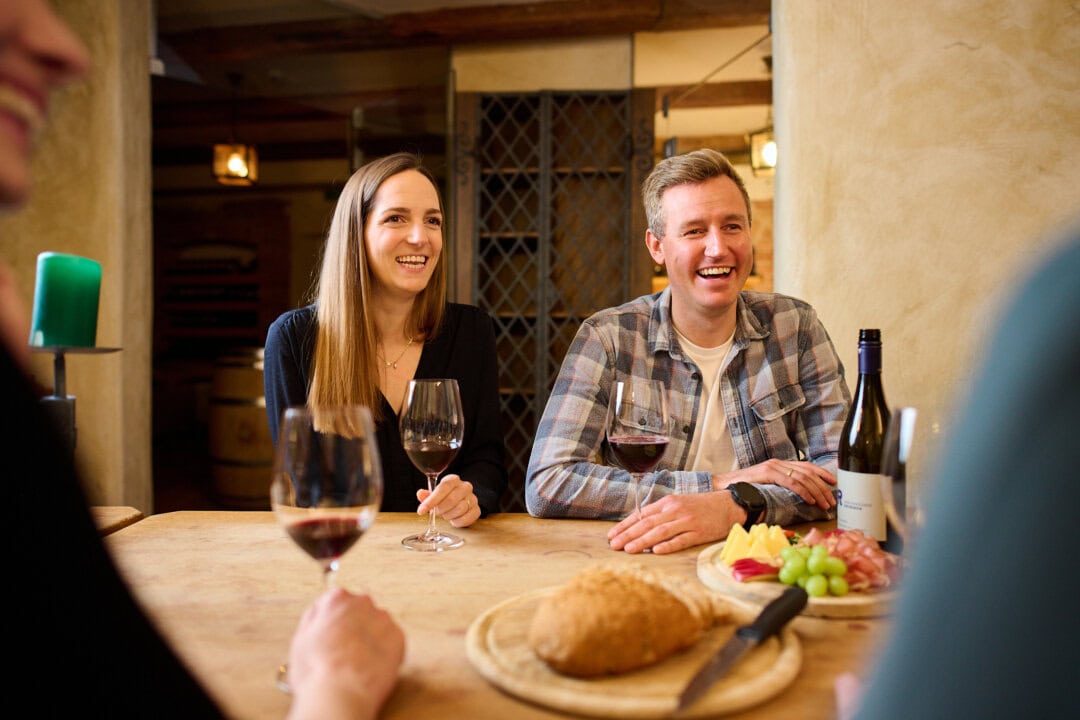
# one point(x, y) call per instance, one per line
point(769, 622)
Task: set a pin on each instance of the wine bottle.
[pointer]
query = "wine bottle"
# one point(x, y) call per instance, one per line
point(860, 505)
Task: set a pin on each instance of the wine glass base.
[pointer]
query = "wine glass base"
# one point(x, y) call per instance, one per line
point(433, 543)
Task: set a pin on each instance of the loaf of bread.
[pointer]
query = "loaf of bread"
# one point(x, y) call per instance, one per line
point(614, 618)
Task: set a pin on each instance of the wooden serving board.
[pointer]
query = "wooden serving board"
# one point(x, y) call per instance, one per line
point(717, 576)
point(497, 646)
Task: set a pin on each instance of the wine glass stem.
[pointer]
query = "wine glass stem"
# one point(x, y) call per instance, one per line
point(432, 481)
point(330, 575)
point(637, 494)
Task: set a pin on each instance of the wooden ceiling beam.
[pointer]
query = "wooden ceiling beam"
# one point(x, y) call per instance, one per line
point(419, 100)
point(406, 102)
point(727, 144)
point(427, 144)
point(266, 131)
point(557, 19)
point(203, 154)
point(264, 121)
point(724, 94)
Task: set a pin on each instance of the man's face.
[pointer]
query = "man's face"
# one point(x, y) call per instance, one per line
point(708, 254)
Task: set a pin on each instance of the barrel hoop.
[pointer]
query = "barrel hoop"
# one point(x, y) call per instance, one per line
point(242, 363)
point(242, 463)
point(258, 401)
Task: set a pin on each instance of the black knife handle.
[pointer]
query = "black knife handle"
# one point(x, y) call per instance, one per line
point(775, 615)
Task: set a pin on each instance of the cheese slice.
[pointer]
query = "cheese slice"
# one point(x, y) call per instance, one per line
point(777, 539)
point(759, 549)
point(736, 546)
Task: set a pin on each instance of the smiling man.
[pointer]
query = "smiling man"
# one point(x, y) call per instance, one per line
point(756, 389)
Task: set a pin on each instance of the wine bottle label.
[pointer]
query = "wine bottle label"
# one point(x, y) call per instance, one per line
point(860, 506)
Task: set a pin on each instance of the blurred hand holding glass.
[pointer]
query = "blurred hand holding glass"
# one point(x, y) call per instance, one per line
point(327, 483)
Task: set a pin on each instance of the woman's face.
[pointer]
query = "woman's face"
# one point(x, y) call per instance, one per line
point(404, 235)
point(38, 53)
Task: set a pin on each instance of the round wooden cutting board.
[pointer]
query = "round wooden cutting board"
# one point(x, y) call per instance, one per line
point(497, 646)
point(717, 576)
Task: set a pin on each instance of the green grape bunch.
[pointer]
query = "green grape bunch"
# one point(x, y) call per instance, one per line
point(814, 570)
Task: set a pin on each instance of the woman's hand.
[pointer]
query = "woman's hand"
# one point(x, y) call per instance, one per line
point(453, 500)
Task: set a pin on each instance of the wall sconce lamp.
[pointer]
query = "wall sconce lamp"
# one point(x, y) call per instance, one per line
point(763, 151)
point(235, 163)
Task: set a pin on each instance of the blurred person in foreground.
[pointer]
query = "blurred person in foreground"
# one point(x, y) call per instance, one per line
point(756, 389)
point(80, 638)
point(986, 626)
point(378, 319)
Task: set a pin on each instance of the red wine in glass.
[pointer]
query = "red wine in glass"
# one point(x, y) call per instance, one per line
point(638, 453)
point(432, 426)
point(326, 538)
point(638, 428)
point(432, 457)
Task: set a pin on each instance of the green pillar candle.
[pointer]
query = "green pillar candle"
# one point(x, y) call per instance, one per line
point(65, 301)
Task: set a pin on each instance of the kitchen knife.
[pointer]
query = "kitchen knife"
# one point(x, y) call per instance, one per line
point(772, 618)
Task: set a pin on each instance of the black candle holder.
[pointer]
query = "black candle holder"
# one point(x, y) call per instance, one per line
point(60, 406)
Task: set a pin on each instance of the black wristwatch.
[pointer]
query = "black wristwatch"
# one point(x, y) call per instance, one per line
point(750, 499)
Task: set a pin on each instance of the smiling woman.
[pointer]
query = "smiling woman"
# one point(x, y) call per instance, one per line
point(379, 318)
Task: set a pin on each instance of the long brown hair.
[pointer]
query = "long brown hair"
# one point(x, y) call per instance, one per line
point(345, 370)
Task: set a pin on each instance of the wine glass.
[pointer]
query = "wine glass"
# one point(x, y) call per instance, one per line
point(432, 426)
point(895, 457)
point(638, 428)
point(327, 483)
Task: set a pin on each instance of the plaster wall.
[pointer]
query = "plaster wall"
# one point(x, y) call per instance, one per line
point(929, 157)
point(92, 197)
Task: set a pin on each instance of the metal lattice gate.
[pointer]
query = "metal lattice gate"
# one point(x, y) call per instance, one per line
point(551, 194)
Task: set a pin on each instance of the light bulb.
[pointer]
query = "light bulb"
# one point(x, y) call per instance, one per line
point(237, 165)
point(768, 153)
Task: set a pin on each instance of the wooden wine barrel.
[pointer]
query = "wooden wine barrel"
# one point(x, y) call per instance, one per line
point(241, 451)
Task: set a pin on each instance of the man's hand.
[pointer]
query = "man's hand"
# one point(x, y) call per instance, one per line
point(344, 658)
point(676, 522)
point(810, 482)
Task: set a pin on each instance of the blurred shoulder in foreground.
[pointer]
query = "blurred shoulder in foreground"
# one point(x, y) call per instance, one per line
point(987, 624)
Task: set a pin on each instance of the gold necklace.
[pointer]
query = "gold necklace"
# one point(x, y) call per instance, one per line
point(394, 364)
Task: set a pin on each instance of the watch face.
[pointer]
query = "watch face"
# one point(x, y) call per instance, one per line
point(750, 499)
point(748, 495)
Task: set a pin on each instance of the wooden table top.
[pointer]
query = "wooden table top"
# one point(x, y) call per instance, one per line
point(110, 518)
point(227, 589)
